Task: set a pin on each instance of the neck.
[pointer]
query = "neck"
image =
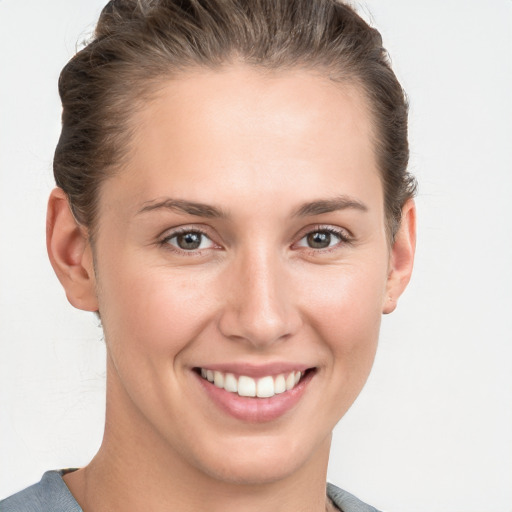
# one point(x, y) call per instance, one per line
point(135, 470)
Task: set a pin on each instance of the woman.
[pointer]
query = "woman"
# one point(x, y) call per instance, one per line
point(233, 202)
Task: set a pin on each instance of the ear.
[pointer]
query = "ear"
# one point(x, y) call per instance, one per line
point(70, 253)
point(401, 257)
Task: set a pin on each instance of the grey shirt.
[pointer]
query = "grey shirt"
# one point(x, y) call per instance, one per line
point(52, 495)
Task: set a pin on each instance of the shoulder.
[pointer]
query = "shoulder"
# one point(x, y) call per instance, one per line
point(50, 493)
point(345, 501)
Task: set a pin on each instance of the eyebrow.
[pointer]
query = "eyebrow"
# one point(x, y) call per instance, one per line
point(317, 207)
point(182, 206)
point(330, 205)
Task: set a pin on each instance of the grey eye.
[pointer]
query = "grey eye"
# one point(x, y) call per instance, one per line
point(319, 239)
point(190, 241)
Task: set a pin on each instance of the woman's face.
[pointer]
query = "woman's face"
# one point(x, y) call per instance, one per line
point(245, 241)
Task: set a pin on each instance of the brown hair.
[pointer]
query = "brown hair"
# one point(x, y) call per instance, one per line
point(138, 44)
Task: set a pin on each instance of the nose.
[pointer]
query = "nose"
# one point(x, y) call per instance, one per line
point(258, 303)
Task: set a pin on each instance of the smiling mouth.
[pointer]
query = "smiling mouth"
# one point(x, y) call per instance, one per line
point(245, 386)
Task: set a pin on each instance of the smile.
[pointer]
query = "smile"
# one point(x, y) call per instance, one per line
point(264, 387)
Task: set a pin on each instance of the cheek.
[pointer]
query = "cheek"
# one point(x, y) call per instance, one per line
point(344, 305)
point(152, 310)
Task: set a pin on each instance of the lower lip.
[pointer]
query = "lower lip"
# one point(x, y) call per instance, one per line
point(256, 410)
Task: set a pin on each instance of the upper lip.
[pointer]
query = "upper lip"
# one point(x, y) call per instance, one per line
point(257, 370)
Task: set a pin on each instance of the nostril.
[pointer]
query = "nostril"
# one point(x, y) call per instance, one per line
point(258, 330)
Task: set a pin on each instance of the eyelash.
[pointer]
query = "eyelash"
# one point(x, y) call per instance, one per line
point(165, 242)
point(344, 239)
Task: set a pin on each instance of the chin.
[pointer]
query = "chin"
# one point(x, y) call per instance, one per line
point(252, 471)
point(261, 460)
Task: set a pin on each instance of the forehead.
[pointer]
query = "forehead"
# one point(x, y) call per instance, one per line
point(249, 131)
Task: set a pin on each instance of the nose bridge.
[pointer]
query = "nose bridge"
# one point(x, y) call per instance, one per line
point(258, 306)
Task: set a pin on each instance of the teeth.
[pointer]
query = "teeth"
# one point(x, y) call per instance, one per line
point(280, 384)
point(246, 386)
point(265, 387)
point(218, 379)
point(231, 383)
point(290, 381)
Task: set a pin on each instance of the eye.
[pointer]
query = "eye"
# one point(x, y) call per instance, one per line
point(189, 241)
point(322, 239)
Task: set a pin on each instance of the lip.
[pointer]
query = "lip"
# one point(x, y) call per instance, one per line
point(256, 410)
point(257, 371)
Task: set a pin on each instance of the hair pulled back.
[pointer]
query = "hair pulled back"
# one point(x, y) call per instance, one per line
point(138, 44)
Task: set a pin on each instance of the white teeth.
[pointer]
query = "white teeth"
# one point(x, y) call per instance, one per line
point(290, 381)
point(246, 386)
point(280, 384)
point(218, 379)
point(231, 383)
point(265, 387)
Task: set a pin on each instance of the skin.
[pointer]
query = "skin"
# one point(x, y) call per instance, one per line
point(257, 147)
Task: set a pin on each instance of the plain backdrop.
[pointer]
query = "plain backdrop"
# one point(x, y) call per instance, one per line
point(432, 431)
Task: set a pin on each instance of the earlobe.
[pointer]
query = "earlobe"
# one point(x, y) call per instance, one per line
point(401, 257)
point(70, 253)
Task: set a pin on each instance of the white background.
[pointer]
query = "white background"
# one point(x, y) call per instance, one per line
point(433, 429)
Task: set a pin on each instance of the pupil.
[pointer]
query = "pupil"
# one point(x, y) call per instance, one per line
point(319, 240)
point(189, 241)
